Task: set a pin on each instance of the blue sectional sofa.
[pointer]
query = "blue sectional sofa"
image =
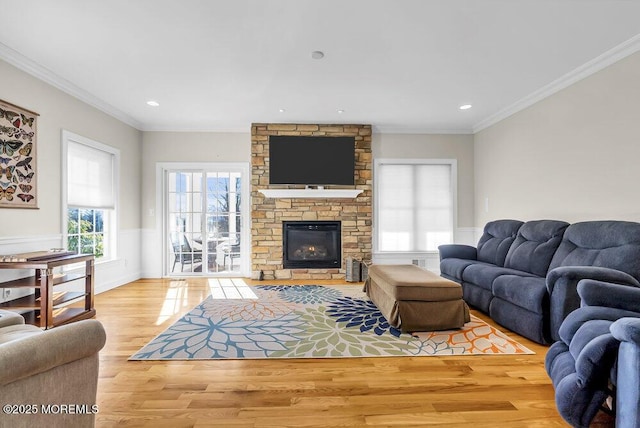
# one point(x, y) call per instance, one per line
point(524, 274)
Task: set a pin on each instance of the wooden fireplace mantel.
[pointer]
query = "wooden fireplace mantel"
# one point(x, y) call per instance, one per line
point(310, 193)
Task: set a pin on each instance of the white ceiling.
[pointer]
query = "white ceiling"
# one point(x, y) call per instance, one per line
point(402, 66)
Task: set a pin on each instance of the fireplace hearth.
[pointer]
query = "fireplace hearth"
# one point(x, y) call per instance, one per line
point(311, 244)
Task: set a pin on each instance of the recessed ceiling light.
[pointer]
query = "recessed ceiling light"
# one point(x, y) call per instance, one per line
point(153, 103)
point(340, 111)
point(317, 54)
point(465, 107)
point(282, 110)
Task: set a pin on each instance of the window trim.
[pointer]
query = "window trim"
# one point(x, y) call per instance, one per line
point(378, 163)
point(114, 215)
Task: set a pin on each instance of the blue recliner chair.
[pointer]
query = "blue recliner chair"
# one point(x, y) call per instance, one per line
point(588, 364)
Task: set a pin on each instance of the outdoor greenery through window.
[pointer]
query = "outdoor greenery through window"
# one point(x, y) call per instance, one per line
point(90, 189)
point(85, 231)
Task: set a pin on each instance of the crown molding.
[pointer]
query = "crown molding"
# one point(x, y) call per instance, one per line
point(375, 129)
point(235, 129)
point(382, 129)
point(31, 67)
point(608, 58)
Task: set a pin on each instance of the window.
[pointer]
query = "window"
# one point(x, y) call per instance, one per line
point(415, 207)
point(89, 196)
point(85, 231)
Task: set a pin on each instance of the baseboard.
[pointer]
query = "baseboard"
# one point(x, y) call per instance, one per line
point(115, 283)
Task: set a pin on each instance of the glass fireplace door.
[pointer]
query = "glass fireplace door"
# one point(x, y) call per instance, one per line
point(204, 222)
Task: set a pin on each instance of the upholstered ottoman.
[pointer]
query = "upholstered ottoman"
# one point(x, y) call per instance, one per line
point(414, 299)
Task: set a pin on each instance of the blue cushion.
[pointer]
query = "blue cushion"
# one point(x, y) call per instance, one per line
point(610, 244)
point(586, 333)
point(483, 274)
point(558, 362)
point(453, 268)
point(535, 246)
point(496, 239)
point(527, 292)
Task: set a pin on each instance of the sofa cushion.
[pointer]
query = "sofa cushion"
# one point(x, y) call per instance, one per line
point(535, 245)
point(559, 362)
point(586, 333)
point(527, 292)
point(453, 268)
point(496, 239)
point(483, 274)
point(10, 318)
point(610, 244)
point(18, 331)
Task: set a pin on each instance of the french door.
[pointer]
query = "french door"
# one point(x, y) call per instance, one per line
point(206, 221)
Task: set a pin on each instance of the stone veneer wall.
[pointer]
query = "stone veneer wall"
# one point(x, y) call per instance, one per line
point(267, 214)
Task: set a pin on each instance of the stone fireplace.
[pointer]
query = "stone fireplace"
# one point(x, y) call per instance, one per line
point(268, 215)
point(311, 244)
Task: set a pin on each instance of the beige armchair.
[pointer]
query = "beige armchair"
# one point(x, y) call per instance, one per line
point(48, 378)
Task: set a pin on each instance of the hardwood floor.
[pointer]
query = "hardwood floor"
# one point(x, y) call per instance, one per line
point(482, 391)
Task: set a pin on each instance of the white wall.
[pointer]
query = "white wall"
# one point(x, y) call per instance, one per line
point(24, 230)
point(178, 147)
point(572, 156)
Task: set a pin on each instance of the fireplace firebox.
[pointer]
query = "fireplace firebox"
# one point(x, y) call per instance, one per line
point(311, 244)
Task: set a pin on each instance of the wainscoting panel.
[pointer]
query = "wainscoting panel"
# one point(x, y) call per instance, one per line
point(152, 252)
point(468, 235)
point(108, 275)
point(430, 261)
point(23, 244)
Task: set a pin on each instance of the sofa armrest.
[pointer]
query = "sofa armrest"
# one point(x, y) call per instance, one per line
point(562, 286)
point(458, 251)
point(39, 353)
point(610, 295)
point(577, 273)
point(585, 314)
point(8, 318)
point(627, 330)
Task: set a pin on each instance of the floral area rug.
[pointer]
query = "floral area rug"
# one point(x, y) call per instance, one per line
point(310, 321)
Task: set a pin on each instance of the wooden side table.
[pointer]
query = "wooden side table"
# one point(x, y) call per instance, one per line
point(45, 308)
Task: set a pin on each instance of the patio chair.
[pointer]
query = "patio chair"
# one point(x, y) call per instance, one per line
point(183, 252)
point(232, 251)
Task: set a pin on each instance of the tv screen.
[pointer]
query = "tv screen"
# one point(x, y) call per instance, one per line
point(311, 160)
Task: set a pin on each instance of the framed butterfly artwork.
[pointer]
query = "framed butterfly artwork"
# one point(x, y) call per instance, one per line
point(18, 173)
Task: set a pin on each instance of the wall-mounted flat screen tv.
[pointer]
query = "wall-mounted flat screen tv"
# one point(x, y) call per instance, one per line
point(311, 160)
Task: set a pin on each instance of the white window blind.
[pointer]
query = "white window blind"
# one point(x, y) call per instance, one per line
point(90, 177)
point(415, 206)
